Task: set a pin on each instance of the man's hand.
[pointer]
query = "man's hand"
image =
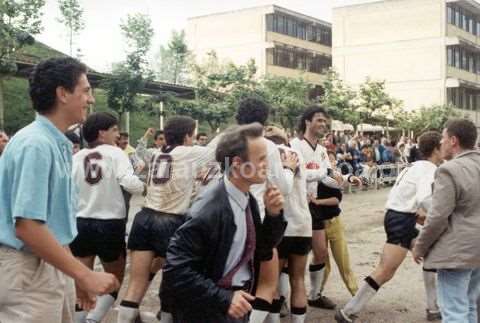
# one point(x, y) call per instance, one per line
point(149, 133)
point(421, 216)
point(290, 160)
point(273, 200)
point(416, 257)
point(355, 181)
point(98, 283)
point(240, 305)
point(85, 300)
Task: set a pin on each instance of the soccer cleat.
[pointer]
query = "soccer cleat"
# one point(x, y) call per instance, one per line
point(341, 317)
point(322, 302)
point(434, 316)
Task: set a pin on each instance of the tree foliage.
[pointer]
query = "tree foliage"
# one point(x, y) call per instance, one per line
point(128, 78)
point(428, 118)
point(71, 17)
point(172, 61)
point(19, 20)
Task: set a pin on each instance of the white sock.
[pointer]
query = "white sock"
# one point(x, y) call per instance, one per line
point(430, 282)
point(272, 318)
point(127, 314)
point(299, 314)
point(257, 316)
point(80, 316)
point(316, 279)
point(283, 285)
point(298, 318)
point(166, 317)
point(362, 297)
point(104, 303)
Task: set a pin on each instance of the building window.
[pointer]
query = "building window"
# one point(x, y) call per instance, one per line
point(463, 19)
point(299, 29)
point(464, 59)
point(298, 59)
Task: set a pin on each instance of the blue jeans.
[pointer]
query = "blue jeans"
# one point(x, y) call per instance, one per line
point(458, 291)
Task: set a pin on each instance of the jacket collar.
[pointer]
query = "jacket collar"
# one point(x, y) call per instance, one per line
point(467, 152)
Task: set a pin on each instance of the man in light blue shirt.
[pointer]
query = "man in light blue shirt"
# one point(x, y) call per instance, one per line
point(37, 219)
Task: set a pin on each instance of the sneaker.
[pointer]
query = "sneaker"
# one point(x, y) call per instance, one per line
point(434, 316)
point(322, 302)
point(341, 317)
point(284, 310)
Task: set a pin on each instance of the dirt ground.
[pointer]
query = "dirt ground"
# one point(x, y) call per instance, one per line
point(400, 301)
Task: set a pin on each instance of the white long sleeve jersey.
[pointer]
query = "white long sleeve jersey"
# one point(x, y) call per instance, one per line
point(296, 209)
point(413, 188)
point(99, 175)
point(171, 177)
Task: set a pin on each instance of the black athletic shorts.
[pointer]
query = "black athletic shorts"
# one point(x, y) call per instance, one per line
point(318, 222)
point(102, 238)
point(300, 246)
point(152, 230)
point(400, 228)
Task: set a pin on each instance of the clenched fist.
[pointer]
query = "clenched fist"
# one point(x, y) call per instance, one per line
point(273, 200)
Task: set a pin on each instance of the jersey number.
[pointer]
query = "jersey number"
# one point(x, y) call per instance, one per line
point(93, 168)
point(162, 169)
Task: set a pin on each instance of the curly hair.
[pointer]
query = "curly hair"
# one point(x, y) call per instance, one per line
point(50, 74)
point(308, 114)
point(252, 110)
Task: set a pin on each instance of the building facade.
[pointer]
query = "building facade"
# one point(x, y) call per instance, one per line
point(282, 42)
point(427, 51)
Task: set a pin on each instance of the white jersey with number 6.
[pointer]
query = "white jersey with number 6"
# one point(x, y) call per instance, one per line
point(99, 174)
point(171, 178)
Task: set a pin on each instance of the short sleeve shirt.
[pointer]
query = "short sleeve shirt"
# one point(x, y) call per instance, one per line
point(36, 183)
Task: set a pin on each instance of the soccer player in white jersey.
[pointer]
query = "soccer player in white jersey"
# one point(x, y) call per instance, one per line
point(280, 174)
point(297, 241)
point(313, 125)
point(412, 187)
point(100, 172)
point(170, 186)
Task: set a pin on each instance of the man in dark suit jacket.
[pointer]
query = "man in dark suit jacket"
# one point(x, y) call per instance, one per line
point(211, 262)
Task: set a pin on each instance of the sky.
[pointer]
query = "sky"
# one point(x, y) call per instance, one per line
point(101, 41)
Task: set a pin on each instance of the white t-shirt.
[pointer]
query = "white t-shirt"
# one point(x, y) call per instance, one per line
point(171, 177)
point(296, 209)
point(99, 174)
point(414, 186)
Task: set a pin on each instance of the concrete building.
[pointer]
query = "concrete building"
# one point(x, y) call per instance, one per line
point(427, 51)
point(282, 42)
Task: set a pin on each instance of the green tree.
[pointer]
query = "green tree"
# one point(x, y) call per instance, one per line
point(19, 20)
point(340, 99)
point(428, 118)
point(375, 105)
point(288, 97)
point(71, 16)
point(128, 78)
point(172, 61)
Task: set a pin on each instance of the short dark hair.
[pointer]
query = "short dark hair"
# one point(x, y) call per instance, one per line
point(124, 134)
point(464, 130)
point(252, 110)
point(201, 134)
point(308, 114)
point(50, 74)
point(72, 136)
point(158, 133)
point(427, 143)
point(95, 122)
point(177, 128)
point(234, 143)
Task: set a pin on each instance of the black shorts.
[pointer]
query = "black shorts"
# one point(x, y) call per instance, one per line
point(152, 230)
point(102, 238)
point(318, 222)
point(300, 246)
point(400, 228)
